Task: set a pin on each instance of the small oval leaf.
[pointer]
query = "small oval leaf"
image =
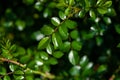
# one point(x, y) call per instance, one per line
point(58, 54)
point(6, 78)
point(47, 30)
point(55, 21)
point(57, 41)
point(73, 57)
point(43, 43)
point(62, 15)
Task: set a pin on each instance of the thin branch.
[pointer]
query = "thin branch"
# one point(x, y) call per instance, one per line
point(46, 75)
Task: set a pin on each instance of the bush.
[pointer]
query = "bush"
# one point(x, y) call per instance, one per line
point(59, 40)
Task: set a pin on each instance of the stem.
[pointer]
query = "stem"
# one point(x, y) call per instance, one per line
point(46, 75)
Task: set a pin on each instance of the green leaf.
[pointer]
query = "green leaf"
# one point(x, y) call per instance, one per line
point(74, 34)
point(6, 78)
point(63, 32)
point(102, 10)
point(102, 68)
point(46, 68)
point(107, 20)
point(12, 67)
point(92, 14)
point(111, 12)
point(44, 55)
point(71, 2)
point(107, 4)
point(53, 61)
point(39, 62)
point(13, 48)
point(99, 41)
point(49, 49)
point(87, 69)
point(6, 54)
point(57, 41)
point(83, 61)
point(118, 45)
point(100, 2)
point(58, 54)
point(20, 50)
point(18, 77)
point(47, 12)
point(87, 5)
point(19, 72)
point(71, 24)
point(73, 57)
point(75, 70)
point(2, 70)
point(66, 46)
point(38, 6)
point(76, 45)
point(82, 13)
point(117, 28)
point(67, 11)
point(43, 43)
point(47, 30)
point(20, 25)
point(62, 15)
point(55, 21)
point(25, 58)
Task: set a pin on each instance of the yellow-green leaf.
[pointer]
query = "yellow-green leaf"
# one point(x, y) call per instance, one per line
point(43, 43)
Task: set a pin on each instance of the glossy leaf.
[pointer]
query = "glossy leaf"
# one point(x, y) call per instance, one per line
point(73, 57)
point(18, 77)
point(100, 2)
point(67, 11)
point(102, 68)
point(107, 4)
point(107, 20)
point(2, 70)
point(55, 21)
point(6, 78)
point(71, 24)
point(117, 28)
point(19, 72)
point(74, 34)
point(62, 15)
point(25, 59)
point(47, 13)
point(46, 68)
point(102, 10)
point(53, 61)
point(44, 55)
point(71, 2)
point(63, 32)
point(49, 49)
point(76, 45)
point(58, 54)
point(57, 41)
point(47, 30)
point(20, 50)
point(83, 61)
point(82, 13)
point(92, 14)
point(75, 70)
point(20, 24)
point(38, 6)
point(12, 67)
point(43, 43)
point(66, 46)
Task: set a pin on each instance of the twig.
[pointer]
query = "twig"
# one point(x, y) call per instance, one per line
point(46, 75)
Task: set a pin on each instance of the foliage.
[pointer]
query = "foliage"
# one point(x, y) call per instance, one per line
point(59, 40)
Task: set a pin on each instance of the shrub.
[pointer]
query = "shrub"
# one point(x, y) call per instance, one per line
point(59, 40)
